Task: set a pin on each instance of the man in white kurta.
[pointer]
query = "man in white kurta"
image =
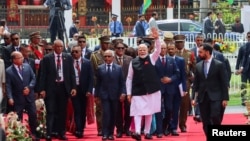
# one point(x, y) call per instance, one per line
point(147, 103)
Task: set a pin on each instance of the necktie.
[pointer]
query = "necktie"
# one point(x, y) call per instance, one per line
point(120, 61)
point(163, 61)
point(205, 68)
point(58, 67)
point(20, 71)
point(109, 70)
point(78, 68)
point(114, 27)
point(17, 48)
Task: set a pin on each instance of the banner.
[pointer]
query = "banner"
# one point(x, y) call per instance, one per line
point(12, 10)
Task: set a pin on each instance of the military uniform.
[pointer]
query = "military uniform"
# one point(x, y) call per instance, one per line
point(190, 62)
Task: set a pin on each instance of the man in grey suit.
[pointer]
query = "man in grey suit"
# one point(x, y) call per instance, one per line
point(110, 88)
point(20, 83)
point(210, 87)
point(122, 122)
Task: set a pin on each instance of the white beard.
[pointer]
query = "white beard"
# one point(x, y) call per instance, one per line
point(143, 56)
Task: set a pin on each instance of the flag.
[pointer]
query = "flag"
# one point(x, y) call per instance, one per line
point(145, 6)
point(109, 2)
point(230, 1)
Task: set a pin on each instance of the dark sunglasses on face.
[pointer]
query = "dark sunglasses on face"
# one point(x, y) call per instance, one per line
point(81, 41)
point(107, 56)
point(48, 49)
point(6, 38)
point(120, 48)
point(14, 39)
point(74, 51)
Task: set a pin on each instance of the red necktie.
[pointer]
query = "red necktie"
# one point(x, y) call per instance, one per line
point(78, 68)
point(163, 61)
point(58, 67)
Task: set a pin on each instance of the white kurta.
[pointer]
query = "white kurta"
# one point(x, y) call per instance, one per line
point(147, 104)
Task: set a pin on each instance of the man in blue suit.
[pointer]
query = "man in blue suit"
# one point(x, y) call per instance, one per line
point(168, 73)
point(181, 90)
point(110, 88)
point(74, 28)
point(20, 82)
point(84, 83)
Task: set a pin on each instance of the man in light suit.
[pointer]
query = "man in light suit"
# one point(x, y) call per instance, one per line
point(122, 122)
point(20, 82)
point(57, 84)
point(110, 88)
point(84, 82)
point(168, 73)
point(211, 87)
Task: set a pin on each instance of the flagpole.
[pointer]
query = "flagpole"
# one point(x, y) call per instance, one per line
point(179, 8)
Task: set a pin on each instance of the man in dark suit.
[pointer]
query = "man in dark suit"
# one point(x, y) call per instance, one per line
point(123, 119)
point(168, 73)
point(181, 83)
point(239, 68)
point(208, 25)
point(74, 28)
point(25, 50)
point(221, 30)
point(57, 84)
point(82, 43)
point(211, 87)
point(14, 46)
point(110, 88)
point(84, 83)
point(20, 82)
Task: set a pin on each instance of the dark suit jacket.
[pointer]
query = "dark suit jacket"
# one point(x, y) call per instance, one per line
point(221, 28)
point(246, 59)
point(238, 28)
point(208, 28)
point(194, 50)
point(240, 57)
point(87, 53)
point(6, 55)
point(15, 85)
point(180, 62)
point(170, 70)
point(31, 62)
point(140, 31)
point(110, 87)
point(86, 77)
point(48, 73)
point(126, 61)
point(215, 85)
point(72, 31)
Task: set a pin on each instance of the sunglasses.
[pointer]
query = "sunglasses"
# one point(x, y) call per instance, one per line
point(107, 56)
point(81, 41)
point(6, 38)
point(14, 39)
point(120, 48)
point(74, 51)
point(48, 49)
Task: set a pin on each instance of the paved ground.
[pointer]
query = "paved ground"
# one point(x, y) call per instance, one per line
point(235, 109)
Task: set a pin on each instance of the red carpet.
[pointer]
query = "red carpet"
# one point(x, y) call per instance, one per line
point(194, 131)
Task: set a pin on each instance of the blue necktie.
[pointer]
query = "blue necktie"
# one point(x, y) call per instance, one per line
point(205, 68)
point(114, 27)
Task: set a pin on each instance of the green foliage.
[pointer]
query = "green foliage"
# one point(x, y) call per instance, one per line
point(229, 12)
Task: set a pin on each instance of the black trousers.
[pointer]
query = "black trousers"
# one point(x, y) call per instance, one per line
point(79, 105)
point(56, 102)
point(56, 28)
point(123, 119)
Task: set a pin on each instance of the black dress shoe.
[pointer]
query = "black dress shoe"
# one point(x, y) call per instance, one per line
point(197, 118)
point(48, 138)
point(148, 137)
point(136, 136)
point(62, 137)
point(119, 135)
point(128, 133)
point(111, 137)
point(54, 134)
point(104, 138)
point(183, 129)
point(99, 133)
point(159, 135)
point(79, 135)
point(174, 133)
point(167, 132)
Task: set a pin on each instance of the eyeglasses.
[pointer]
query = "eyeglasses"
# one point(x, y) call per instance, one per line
point(81, 41)
point(48, 49)
point(74, 51)
point(6, 38)
point(107, 56)
point(248, 36)
point(120, 48)
point(14, 39)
